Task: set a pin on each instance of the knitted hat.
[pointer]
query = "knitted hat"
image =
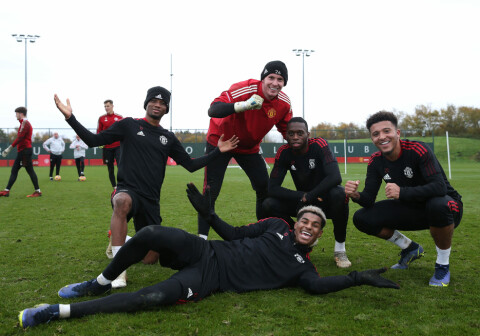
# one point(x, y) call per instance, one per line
point(277, 68)
point(159, 93)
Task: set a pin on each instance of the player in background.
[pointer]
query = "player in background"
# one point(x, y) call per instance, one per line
point(111, 152)
point(79, 147)
point(419, 196)
point(261, 256)
point(55, 146)
point(145, 147)
point(24, 154)
point(248, 109)
point(317, 180)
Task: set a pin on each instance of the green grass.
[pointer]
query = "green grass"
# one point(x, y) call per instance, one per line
point(60, 238)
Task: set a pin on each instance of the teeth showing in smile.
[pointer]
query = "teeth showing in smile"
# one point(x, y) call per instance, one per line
point(305, 233)
point(385, 142)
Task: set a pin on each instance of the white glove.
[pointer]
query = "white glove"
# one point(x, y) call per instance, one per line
point(253, 103)
point(6, 151)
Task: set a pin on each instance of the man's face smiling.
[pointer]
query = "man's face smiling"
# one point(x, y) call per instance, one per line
point(308, 229)
point(272, 85)
point(156, 109)
point(386, 137)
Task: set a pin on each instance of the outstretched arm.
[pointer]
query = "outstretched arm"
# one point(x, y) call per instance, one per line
point(323, 285)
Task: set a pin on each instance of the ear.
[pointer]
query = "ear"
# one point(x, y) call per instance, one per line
point(320, 233)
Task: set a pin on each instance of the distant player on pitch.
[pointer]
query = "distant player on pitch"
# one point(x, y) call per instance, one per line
point(24, 154)
point(419, 196)
point(317, 180)
point(111, 152)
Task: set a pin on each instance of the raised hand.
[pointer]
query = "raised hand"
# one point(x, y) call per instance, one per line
point(201, 203)
point(225, 146)
point(65, 109)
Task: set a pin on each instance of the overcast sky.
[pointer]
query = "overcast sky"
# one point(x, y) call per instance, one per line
point(369, 55)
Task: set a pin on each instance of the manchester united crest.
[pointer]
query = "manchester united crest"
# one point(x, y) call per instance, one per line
point(408, 172)
point(271, 113)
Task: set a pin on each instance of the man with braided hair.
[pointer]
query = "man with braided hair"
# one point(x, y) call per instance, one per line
point(264, 255)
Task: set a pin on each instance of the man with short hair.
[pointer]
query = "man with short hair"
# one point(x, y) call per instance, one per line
point(145, 147)
point(55, 146)
point(317, 180)
point(261, 256)
point(248, 109)
point(419, 196)
point(111, 152)
point(24, 154)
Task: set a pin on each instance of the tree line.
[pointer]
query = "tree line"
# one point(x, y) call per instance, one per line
point(460, 121)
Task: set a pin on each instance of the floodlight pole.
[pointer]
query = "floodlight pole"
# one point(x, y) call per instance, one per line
point(30, 38)
point(171, 91)
point(303, 53)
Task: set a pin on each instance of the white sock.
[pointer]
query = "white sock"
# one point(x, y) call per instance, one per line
point(127, 238)
point(203, 236)
point(38, 190)
point(7, 189)
point(339, 247)
point(64, 310)
point(400, 240)
point(115, 250)
point(102, 280)
point(443, 256)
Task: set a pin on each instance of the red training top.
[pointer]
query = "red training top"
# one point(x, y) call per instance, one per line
point(24, 135)
point(250, 126)
point(104, 122)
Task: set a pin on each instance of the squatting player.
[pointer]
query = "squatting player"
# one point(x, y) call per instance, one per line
point(145, 147)
point(264, 255)
point(419, 196)
point(111, 152)
point(317, 180)
point(248, 109)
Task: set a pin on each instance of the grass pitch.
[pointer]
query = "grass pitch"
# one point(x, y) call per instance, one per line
point(60, 238)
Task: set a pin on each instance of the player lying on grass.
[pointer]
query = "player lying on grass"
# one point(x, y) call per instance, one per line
point(264, 255)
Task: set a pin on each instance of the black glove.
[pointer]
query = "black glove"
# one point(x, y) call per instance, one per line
point(372, 278)
point(201, 203)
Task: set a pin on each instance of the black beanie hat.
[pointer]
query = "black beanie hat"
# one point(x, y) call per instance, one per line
point(277, 68)
point(159, 93)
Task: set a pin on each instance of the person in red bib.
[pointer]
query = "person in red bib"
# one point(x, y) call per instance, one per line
point(249, 109)
point(111, 152)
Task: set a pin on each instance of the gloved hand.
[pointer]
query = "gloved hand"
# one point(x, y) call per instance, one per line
point(6, 151)
point(253, 103)
point(201, 203)
point(101, 147)
point(372, 278)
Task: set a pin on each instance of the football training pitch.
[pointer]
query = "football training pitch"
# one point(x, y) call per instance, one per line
point(60, 238)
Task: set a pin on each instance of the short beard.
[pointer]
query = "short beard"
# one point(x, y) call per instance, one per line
point(155, 117)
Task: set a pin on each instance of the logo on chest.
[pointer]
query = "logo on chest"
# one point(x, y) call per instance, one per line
point(271, 113)
point(299, 258)
point(163, 139)
point(408, 172)
point(311, 163)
